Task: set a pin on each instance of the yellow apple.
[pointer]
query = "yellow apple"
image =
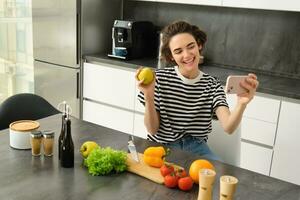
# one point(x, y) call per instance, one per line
point(87, 147)
point(147, 75)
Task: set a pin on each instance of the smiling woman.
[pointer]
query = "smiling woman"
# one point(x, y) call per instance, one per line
point(182, 101)
point(185, 52)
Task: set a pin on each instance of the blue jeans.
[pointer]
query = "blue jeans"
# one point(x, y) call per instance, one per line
point(195, 146)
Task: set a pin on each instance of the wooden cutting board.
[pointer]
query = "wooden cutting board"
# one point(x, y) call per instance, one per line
point(142, 169)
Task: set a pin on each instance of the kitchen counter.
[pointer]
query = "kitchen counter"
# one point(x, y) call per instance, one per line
point(269, 83)
point(25, 177)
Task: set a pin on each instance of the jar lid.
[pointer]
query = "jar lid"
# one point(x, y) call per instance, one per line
point(48, 134)
point(36, 134)
point(24, 125)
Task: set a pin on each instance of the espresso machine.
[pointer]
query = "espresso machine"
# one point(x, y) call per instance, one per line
point(133, 39)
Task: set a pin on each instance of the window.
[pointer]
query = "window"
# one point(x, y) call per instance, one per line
point(16, 53)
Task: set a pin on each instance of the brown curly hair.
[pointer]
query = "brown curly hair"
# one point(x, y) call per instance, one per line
point(175, 28)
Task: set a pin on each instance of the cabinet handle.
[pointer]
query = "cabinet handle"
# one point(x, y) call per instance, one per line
point(77, 85)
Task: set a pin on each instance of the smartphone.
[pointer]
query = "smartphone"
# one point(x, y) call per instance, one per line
point(233, 85)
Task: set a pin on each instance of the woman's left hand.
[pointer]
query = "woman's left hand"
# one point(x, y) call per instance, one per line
point(250, 84)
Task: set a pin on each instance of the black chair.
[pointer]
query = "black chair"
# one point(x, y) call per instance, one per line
point(24, 106)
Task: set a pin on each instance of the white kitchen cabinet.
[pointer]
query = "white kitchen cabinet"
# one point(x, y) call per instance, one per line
point(139, 128)
point(226, 146)
point(110, 85)
point(286, 162)
point(288, 5)
point(108, 116)
point(256, 158)
point(263, 108)
point(258, 131)
point(109, 96)
point(194, 2)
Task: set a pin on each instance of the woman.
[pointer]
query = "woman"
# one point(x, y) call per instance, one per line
point(182, 101)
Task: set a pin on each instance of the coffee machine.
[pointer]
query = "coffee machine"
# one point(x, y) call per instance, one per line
point(133, 39)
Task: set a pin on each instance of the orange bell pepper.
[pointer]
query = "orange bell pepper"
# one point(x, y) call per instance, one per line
point(155, 156)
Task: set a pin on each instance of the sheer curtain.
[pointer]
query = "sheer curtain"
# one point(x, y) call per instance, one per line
point(16, 52)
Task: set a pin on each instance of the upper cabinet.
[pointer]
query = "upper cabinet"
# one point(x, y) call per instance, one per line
point(199, 2)
point(195, 2)
point(288, 5)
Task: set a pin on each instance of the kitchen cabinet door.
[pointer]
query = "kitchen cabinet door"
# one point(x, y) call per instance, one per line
point(109, 85)
point(258, 131)
point(286, 162)
point(139, 128)
point(226, 146)
point(111, 117)
point(256, 158)
point(263, 108)
point(288, 5)
point(218, 140)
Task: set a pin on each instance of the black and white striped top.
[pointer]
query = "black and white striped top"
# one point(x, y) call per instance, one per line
point(186, 106)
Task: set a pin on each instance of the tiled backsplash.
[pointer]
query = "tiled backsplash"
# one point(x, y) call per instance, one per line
point(262, 40)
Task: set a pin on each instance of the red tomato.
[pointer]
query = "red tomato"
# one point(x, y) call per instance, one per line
point(171, 181)
point(181, 173)
point(166, 169)
point(185, 183)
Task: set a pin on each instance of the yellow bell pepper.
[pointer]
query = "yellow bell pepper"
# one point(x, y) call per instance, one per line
point(155, 156)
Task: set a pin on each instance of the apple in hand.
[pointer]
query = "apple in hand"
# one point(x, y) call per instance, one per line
point(147, 75)
point(87, 147)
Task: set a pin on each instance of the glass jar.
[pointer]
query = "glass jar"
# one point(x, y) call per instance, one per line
point(36, 141)
point(48, 142)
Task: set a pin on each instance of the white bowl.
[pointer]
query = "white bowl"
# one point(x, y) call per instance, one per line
point(19, 133)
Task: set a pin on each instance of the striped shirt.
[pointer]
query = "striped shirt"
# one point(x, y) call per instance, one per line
point(186, 106)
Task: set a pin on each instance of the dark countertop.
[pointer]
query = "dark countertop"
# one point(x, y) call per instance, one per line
point(269, 83)
point(25, 177)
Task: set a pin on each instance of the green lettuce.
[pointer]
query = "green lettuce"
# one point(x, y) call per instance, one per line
point(102, 161)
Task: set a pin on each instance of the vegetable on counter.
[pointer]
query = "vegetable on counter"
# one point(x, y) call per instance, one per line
point(185, 183)
point(174, 177)
point(166, 169)
point(155, 156)
point(102, 161)
point(196, 166)
point(171, 181)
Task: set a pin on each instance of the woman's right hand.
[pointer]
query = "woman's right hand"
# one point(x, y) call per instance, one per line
point(148, 90)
